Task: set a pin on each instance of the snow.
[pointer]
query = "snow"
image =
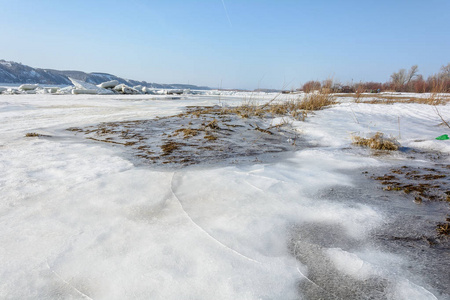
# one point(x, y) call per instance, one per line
point(79, 220)
point(33, 73)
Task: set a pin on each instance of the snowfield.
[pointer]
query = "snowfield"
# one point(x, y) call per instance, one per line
point(78, 220)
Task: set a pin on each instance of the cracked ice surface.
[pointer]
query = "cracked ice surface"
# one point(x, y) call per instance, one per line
point(80, 221)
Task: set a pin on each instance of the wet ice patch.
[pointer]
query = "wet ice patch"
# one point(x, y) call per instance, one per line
point(199, 136)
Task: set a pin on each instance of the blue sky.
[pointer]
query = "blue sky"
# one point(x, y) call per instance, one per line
point(269, 44)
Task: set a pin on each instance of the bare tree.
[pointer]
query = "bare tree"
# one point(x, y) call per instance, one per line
point(402, 77)
point(399, 78)
point(412, 73)
point(445, 72)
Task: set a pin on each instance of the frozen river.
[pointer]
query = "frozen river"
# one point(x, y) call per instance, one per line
point(79, 219)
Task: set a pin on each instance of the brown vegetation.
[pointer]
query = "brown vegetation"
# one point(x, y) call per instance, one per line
point(377, 142)
point(32, 134)
point(443, 228)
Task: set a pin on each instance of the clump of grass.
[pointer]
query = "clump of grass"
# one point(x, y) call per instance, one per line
point(264, 130)
point(299, 108)
point(316, 101)
point(377, 142)
point(212, 125)
point(187, 132)
point(33, 134)
point(443, 228)
point(170, 146)
point(75, 129)
point(210, 137)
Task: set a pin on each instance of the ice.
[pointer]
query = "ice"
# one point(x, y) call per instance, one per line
point(84, 91)
point(147, 90)
point(108, 84)
point(66, 90)
point(350, 263)
point(79, 220)
point(28, 87)
point(124, 89)
point(82, 87)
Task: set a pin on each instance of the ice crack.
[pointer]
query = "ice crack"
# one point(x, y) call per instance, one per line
point(205, 232)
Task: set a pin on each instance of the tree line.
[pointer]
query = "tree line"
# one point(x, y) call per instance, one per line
point(400, 81)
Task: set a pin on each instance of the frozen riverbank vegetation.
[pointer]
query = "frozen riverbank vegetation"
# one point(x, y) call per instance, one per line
point(224, 195)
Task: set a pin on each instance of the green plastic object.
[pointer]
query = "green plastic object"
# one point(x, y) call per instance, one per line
point(443, 137)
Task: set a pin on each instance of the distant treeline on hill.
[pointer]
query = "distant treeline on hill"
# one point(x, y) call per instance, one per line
point(401, 81)
point(17, 73)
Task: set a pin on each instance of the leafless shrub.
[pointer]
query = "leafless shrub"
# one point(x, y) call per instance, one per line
point(311, 86)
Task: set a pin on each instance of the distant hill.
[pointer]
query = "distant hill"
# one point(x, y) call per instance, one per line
point(12, 72)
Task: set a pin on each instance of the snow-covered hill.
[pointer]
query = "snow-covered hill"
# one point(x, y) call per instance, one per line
point(17, 73)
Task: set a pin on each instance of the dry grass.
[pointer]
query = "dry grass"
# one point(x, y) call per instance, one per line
point(443, 228)
point(212, 125)
point(433, 99)
point(170, 146)
point(210, 137)
point(187, 132)
point(377, 142)
point(263, 130)
point(297, 108)
point(317, 101)
point(33, 134)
